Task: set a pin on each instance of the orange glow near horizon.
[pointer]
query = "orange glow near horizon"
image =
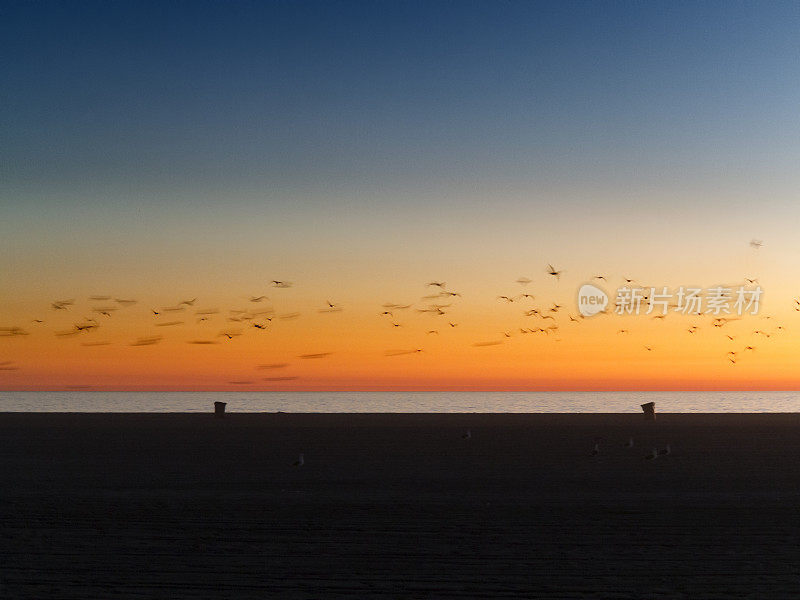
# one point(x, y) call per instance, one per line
point(302, 345)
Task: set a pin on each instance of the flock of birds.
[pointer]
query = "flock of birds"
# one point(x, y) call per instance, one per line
point(467, 435)
point(654, 453)
point(536, 318)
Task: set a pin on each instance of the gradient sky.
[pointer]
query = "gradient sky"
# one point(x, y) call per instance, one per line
point(171, 151)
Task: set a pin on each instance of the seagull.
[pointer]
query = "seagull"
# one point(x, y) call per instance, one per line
point(596, 449)
point(523, 281)
point(125, 301)
point(551, 270)
point(653, 455)
point(467, 435)
point(300, 461)
point(665, 452)
point(756, 244)
point(629, 443)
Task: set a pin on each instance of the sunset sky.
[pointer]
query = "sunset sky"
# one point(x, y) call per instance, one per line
point(163, 152)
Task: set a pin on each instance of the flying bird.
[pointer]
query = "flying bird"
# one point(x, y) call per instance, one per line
point(125, 301)
point(551, 270)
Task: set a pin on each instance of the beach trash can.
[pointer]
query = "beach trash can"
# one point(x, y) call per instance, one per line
point(219, 409)
point(649, 409)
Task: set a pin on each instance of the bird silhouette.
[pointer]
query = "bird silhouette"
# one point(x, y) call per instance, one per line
point(551, 270)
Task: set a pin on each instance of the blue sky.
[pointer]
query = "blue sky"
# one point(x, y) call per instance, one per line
point(190, 128)
point(167, 150)
point(349, 95)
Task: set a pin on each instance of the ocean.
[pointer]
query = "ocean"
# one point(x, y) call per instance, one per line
point(401, 402)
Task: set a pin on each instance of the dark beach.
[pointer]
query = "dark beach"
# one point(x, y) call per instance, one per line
point(398, 505)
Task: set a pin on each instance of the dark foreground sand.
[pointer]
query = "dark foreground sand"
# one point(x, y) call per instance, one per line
point(187, 506)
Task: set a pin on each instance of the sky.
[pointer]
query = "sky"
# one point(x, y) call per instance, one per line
point(194, 151)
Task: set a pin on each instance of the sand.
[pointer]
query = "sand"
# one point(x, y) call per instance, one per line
point(188, 506)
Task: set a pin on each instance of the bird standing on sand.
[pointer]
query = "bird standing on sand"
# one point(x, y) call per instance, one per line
point(653, 455)
point(596, 449)
point(665, 452)
point(629, 443)
point(467, 435)
point(300, 461)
